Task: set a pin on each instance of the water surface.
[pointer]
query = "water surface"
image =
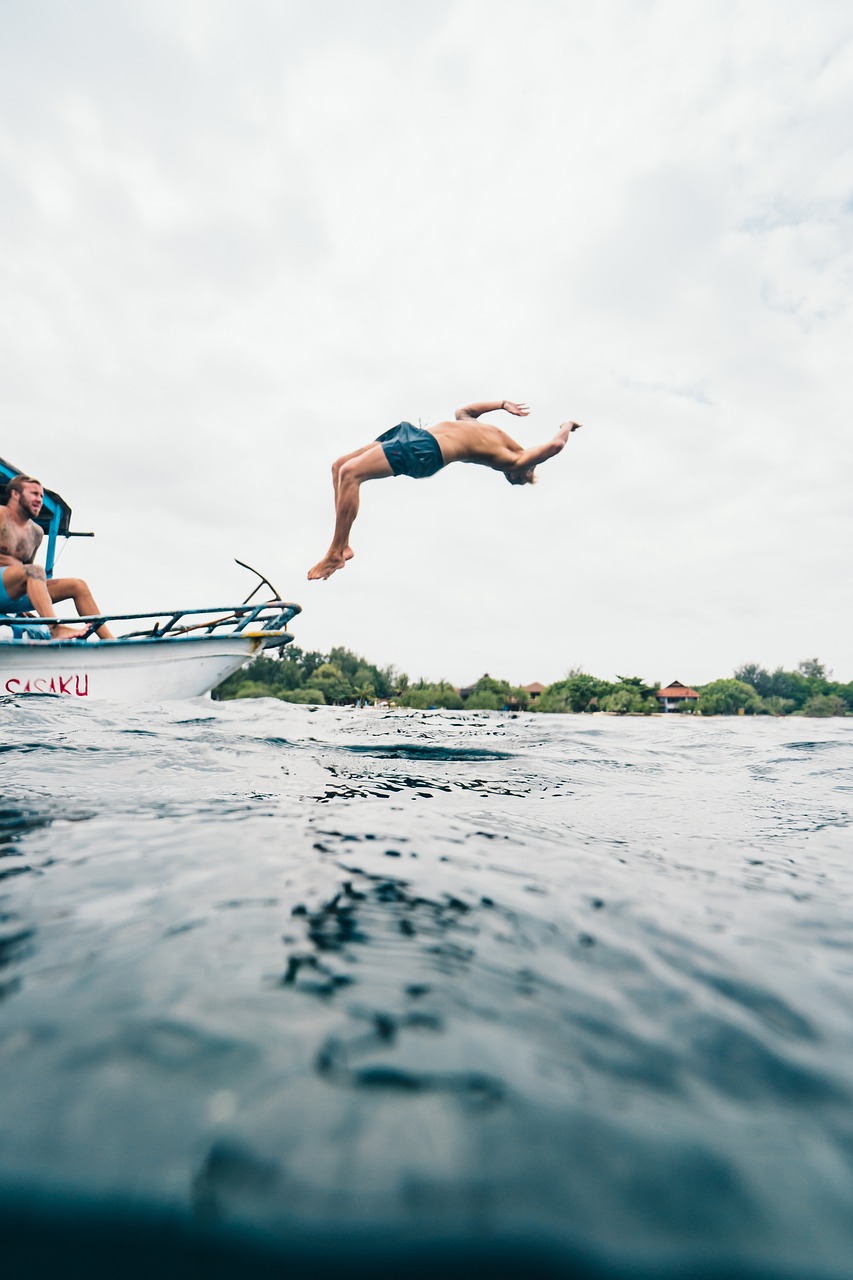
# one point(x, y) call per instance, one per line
point(480, 994)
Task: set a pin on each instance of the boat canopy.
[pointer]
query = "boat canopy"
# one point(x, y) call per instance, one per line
point(54, 517)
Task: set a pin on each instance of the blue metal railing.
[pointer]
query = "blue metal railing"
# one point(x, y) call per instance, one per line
point(265, 621)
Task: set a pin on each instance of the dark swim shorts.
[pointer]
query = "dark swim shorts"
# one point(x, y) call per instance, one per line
point(411, 451)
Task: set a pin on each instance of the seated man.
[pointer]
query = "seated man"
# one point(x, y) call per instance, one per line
point(415, 451)
point(24, 586)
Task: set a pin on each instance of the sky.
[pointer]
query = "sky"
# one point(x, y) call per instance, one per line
point(239, 238)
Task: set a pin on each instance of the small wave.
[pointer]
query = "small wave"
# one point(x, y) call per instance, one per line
point(423, 751)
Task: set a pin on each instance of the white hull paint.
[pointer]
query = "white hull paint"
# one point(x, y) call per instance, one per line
point(123, 670)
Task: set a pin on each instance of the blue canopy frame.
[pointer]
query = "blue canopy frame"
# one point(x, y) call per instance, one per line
point(54, 517)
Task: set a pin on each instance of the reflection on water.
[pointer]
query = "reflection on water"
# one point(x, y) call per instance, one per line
point(490, 994)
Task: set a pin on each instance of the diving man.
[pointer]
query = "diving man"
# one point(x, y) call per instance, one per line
point(24, 586)
point(406, 450)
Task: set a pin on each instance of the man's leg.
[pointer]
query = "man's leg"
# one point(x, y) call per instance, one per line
point(336, 471)
point(77, 590)
point(22, 580)
point(368, 464)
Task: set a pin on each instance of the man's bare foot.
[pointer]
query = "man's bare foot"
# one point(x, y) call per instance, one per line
point(348, 553)
point(326, 567)
point(570, 426)
point(60, 632)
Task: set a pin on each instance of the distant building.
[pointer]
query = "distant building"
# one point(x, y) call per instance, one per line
point(532, 690)
point(675, 695)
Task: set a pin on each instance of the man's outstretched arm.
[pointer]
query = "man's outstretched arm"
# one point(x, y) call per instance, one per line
point(472, 411)
point(542, 452)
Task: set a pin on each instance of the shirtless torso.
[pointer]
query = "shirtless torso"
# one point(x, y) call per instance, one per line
point(477, 442)
point(18, 542)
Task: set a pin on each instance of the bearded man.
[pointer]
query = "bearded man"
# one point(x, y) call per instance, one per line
point(24, 586)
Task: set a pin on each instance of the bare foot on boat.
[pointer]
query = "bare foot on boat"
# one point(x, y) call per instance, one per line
point(327, 567)
point(60, 632)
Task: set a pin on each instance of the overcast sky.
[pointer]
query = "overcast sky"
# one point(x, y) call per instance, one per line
point(241, 237)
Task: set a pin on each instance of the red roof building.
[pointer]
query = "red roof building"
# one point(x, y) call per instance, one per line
point(675, 695)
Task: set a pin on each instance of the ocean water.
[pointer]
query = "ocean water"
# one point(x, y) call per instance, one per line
point(313, 992)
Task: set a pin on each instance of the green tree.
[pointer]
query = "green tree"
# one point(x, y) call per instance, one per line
point(845, 691)
point(793, 686)
point(635, 695)
point(624, 699)
point(263, 671)
point(759, 677)
point(775, 706)
point(361, 673)
point(824, 704)
point(364, 693)
point(484, 700)
point(254, 689)
point(308, 695)
point(309, 662)
point(813, 669)
point(638, 683)
point(432, 695)
point(331, 682)
point(489, 694)
point(727, 698)
point(578, 692)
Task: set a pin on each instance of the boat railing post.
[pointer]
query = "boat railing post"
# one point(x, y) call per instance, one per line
point(52, 533)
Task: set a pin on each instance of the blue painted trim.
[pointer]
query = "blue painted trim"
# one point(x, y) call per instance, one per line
point(52, 534)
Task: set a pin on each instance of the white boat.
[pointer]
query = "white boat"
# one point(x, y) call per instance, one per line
point(178, 653)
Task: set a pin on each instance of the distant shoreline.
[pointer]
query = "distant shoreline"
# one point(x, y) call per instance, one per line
point(343, 678)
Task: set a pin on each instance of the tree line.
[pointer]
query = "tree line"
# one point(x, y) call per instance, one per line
point(341, 676)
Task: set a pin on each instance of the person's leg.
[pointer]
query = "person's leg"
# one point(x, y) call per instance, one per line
point(336, 471)
point(367, 464)
point(77, 590)
point(347, 457)
point(22, 580)
point(13, 589)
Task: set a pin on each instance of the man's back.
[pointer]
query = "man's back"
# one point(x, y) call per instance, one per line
point(473, 441)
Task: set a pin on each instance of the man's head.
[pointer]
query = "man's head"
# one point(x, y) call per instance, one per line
point(25, 494)
point(528, 476)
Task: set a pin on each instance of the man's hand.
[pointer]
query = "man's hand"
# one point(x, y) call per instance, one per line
point(520, 410)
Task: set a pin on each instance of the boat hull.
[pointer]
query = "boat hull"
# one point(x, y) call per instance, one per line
point(144, 670)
